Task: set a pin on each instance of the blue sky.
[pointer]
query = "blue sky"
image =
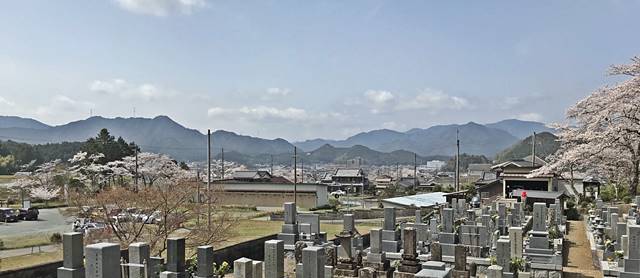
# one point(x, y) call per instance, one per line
point(306, 69)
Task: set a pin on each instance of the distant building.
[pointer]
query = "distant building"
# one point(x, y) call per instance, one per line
point(514, 175)
point(349, 179)
point(252, 176)
point(435, 165)
point(383, 181)
point(259, 188)
point(477, 170)
point(354, 163)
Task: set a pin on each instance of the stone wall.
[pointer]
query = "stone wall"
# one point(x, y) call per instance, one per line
point(358, 214)
point(267, 199)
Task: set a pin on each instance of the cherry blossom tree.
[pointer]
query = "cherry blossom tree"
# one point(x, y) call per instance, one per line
point(603, 131)
point(44, 193)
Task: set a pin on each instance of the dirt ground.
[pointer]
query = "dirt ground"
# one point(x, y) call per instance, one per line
point(580, 262)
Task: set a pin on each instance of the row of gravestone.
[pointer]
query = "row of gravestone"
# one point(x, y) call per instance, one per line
point(619, 240)
point(320, 259)
point(103, 260)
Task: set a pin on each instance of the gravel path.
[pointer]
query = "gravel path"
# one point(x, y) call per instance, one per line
point(580, 262)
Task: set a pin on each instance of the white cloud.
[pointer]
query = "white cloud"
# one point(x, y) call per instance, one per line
point(124, 89)
point(61, 104)
point(259, 113)
point(434, 100)
point(379, 100)
point(6, 102)
point(530, 117)
point(161, 7)
point(379, 97)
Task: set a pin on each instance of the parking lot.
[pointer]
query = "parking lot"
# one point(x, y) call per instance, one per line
point(49, 221)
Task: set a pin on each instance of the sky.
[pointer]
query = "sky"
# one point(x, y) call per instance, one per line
point(306, 69)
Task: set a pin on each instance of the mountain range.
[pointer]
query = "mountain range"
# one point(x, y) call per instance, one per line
point(163, 135)
point(488, 139)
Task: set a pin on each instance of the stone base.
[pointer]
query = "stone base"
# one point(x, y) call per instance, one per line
point(398, 274)
point(390, 246)
point(629, 275)
point(460, 273)
point(289, 239)
point(70, 272)
point(345, 273)
point(431, 273)
point(169, 274)
point(409, 266)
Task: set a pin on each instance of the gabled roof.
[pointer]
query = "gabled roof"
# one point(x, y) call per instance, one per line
point(520, 163)
point(250, 174)
point(348, 173)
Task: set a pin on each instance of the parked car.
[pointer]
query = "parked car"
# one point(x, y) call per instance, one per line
point(337, 193)
point(28, 214)
point(149, 218)
point(475, 202)
point(8, 215)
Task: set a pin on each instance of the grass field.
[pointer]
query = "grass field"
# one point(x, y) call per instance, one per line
point(26, 241)
point(30, 260)
point(6, 179)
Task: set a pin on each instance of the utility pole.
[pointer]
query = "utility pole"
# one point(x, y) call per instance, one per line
point(397, 171)
point(222, 154)
point(208, 177)
point(271, 166)
point(135, 148)
point(295, 175)
point(533, 150)
point(457, 160)
point(415, 171)
point(302, 170)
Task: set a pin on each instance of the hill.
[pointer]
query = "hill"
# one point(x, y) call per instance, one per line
point(160, 134)
point(546, 144)
point(437, 140)
point(519, 128)
point(19, 122)
point(330, 154)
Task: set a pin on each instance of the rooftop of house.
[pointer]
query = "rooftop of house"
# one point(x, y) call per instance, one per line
point(525, 162)
point(348, 173)
point(251, 174)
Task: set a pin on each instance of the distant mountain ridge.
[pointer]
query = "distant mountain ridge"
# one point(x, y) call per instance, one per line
point(163, 135)
point(519, 128)
point(160, 134)
point(19, 122)
point(488, 139)
point(546, 144)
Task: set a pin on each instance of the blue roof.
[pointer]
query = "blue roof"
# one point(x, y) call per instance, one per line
point(419, 200)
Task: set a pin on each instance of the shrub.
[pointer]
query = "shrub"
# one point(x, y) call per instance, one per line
point(627, 199)
point(572, 214)
point(56, 238)
point(1, 244)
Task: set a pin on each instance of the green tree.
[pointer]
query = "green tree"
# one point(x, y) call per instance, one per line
point(112, 148)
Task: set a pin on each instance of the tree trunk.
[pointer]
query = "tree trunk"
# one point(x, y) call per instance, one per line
point(634, 179)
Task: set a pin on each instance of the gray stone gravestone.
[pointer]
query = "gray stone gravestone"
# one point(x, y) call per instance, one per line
point(73, 256)
point(103, 260)
point(274, 258)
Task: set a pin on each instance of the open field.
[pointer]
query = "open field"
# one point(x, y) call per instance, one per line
point(23, 241)
point(29, 260)
point(6, 179)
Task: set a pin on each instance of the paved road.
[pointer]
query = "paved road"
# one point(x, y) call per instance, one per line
point(49, 221)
